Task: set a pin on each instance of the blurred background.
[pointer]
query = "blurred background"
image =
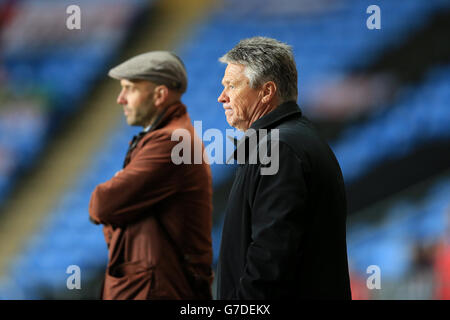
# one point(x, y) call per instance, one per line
point(380, 98)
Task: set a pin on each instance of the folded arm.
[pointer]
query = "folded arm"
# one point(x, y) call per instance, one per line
point(146, 180)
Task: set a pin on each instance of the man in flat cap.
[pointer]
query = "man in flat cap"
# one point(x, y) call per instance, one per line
point(157, 215)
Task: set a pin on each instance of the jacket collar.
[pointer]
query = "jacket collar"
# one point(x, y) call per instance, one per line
point(173, 111)
point(280, 113)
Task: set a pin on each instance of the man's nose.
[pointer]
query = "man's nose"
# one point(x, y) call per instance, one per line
point(222, 98)
point(121, 99)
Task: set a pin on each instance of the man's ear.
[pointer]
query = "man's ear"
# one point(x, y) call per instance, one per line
point(160, 95)
point(269, 91)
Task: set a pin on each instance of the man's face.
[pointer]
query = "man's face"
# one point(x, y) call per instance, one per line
point(238, 98)
point(136, 97)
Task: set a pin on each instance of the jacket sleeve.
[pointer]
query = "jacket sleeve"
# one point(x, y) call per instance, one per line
point(145, 181)
point(278, 221)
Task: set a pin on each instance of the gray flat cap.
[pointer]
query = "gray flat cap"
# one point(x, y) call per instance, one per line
point(162, 67)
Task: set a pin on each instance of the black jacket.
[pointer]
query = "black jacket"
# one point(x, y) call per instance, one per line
point(284, 235)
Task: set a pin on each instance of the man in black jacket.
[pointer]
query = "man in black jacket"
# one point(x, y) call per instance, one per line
point(284, 234)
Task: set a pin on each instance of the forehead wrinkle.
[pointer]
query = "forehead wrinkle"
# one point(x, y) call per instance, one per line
point(235, 80)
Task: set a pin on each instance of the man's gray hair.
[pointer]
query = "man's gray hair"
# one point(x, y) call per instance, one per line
point(266, 59)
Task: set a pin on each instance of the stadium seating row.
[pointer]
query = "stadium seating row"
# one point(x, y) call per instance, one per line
point(390, 243)
point(46, 70)
point(421, 115)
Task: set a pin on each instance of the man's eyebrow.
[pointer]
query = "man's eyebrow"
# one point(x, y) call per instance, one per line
point(128, 85)
point(225, 82)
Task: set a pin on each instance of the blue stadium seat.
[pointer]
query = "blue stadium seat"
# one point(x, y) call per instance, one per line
point(390, 244)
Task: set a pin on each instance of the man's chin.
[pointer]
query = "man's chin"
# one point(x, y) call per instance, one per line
point(235, 125)
point(131, 122)
point(231, 123)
